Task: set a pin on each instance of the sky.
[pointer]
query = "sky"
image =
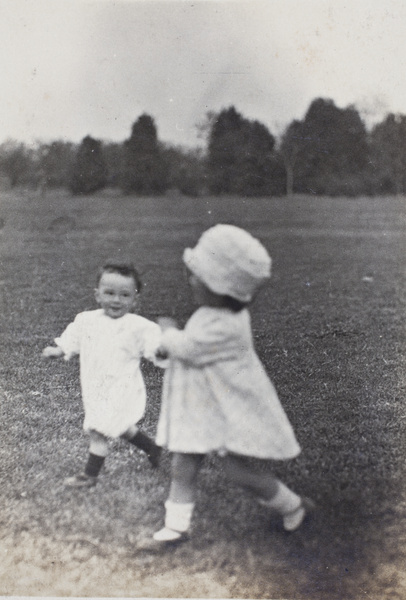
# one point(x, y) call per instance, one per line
point(71, 68)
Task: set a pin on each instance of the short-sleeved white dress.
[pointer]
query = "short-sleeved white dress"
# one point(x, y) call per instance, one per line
point(217, 395)
point(110, 351)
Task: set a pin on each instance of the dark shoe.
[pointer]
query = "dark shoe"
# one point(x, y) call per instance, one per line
point(147, 445)
point(80, 481)
point(154, 456)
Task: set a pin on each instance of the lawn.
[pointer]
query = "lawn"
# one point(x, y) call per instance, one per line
point(330, 330)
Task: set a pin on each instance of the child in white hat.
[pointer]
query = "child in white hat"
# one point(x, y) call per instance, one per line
point(217, 396)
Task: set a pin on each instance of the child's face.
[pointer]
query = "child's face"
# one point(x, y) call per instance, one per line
point(116, 294)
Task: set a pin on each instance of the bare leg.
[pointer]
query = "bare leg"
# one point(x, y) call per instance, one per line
point(140, 440)
point(98, 450)
point(98, 444)
point(270, 491)
point(130, 433)
point(185, 468)
point(180, 504)
point(263, 485)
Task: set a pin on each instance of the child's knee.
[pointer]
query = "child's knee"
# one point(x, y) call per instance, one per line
point(98, 443)
point(250, 477)
point(130, 433)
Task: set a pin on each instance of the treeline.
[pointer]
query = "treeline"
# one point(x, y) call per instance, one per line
point(329, 152)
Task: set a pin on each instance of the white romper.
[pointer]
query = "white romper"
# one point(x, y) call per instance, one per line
point(110, 351)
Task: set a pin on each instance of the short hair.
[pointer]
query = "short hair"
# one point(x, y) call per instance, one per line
point(126, 269)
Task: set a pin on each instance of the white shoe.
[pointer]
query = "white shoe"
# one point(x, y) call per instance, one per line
point(165, 539)
point(294, 519)
point(168, 535)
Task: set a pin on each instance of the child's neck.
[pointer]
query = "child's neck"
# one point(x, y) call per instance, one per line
point(217, 302)
point(115, 318)
point(224, 302)
point(205, 297)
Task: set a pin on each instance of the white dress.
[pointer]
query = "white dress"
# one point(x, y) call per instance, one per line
point(110, 350)
point(217, 395)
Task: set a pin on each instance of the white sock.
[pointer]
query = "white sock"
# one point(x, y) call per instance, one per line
point(166, 535)
point(177, 521)
point(289, 505)
point(293, 520)
point(178, 516)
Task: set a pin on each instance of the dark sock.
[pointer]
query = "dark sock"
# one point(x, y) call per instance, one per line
point(94, 464)
point(143, 442)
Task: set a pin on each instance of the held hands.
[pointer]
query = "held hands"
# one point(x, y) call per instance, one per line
point(161, 353)
point(165, 323)
point(52, 352)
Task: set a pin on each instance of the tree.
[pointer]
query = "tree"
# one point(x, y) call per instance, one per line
point(15, 162)
point(240, 154)
point(113, 154)
point(222, 162)
point(185, 170)
point(388, 154)
point(143, 165)
point(55, 163)
point(89, 171)
point(332, 152)
point(291, 142)
point(256, 160)
point(205, 126)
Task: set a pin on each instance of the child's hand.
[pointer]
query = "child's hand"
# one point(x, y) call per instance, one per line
point(52, 352)
point(161, 353)
point(167, 323)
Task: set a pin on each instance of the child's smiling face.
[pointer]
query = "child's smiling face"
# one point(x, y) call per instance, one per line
point(116, 294)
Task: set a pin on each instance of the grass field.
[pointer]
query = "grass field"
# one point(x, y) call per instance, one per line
point(330, 330)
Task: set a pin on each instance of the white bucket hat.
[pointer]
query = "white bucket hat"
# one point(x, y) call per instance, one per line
point(229, 261)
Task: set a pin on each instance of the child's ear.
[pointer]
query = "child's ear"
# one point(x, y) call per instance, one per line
point(97, 295)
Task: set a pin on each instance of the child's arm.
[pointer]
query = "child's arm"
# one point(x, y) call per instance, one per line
point(152, 342)
point(68, 344)
point(161, 354)
point(204, 342)
point(165, 323)
point(52, 352)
